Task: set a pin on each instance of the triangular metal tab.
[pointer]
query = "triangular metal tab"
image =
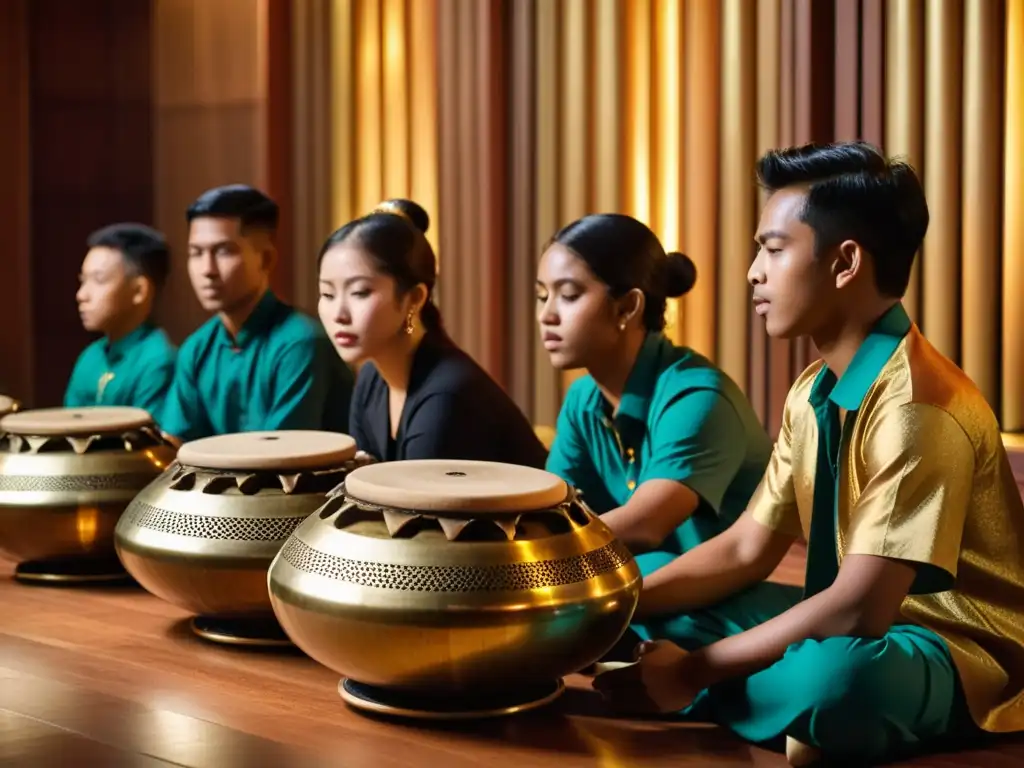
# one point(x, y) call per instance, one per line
point(288, 482)
point(396, 521)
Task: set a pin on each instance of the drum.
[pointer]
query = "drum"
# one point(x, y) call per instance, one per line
point(66, 475)
point(202, 535)
point(453, 589)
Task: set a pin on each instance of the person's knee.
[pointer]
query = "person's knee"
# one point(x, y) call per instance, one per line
point(840, 691)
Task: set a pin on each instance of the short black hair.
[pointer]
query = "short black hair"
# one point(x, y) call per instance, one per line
point(143, 249)
point(855, 193)
point(394, 234)
point(625, 254)
point(252, 208)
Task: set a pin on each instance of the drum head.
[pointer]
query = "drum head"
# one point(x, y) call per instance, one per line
point(456, 486)
point(284, 450)
point(92, 420)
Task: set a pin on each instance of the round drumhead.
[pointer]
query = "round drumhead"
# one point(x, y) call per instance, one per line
point(287, 450)
point(91, 420)
point(456, 486)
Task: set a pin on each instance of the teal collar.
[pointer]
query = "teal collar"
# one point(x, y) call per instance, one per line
point(872, 355)
point(116, 350)
point(636, 398)
point(256, 325)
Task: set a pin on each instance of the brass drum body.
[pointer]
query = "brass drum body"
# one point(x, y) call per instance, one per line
point(61, 494)
point(452, 601)
point(202, 537)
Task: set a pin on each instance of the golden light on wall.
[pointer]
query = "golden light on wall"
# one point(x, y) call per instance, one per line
point(1013, 222)
point(383, 63)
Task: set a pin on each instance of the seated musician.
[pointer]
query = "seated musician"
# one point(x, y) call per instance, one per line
point(909, 633)
point(662, 444)
point(258, 364)
point(417, 395)
point(124, 269)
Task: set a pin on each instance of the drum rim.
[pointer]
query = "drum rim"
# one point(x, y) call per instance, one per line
point(363, 485)
point(195, 453)
point(46, 422)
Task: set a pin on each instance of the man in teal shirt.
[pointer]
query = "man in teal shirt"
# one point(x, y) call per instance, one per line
point(133, 364)
point(258, 364)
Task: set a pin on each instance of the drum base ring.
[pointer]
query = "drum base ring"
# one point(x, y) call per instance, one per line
point(71, 572)
point(252, 631)
point(384, 701)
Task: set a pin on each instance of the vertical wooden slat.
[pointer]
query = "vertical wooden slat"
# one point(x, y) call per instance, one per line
point(490, 145)
point(608, 113)
point(522, 241)
point(738, 122)
point(982, 153)
point(311, 168)
point(769, 59)
point(637, 158)
point(904, 104)
point(369, 125)
point(942, 146)
point(448, 153)
point(395, 98)
point(465, 260)
point(847, 74)
point(700, 175)
point(278, 121)
point(1013, 222)
point(423, 138)
point(547, 389)
point(669, 130)
point(872, 71)
point(344, 163)
point(573, 125)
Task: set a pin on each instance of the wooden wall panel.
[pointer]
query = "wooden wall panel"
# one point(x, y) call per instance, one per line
point(91, 156)
point(210, 121)
point(17, 350)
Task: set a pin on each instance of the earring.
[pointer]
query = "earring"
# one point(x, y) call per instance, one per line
point(622, 327)
point(408, 324)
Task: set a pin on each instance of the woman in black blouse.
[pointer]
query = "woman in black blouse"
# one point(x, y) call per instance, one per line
point(417, 395)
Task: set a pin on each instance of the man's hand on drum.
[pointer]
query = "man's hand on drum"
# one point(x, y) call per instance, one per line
point(662, 681)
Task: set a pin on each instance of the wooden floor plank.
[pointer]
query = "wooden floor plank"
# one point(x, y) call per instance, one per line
point(117, 670)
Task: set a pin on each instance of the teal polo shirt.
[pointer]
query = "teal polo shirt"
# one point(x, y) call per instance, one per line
point(136, 371)
point(280, 372)
point(680, 418)
point(829, 394)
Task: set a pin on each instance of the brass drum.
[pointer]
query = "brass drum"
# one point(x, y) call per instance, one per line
point(202, 535)
point(66, 475)
point(453, 589)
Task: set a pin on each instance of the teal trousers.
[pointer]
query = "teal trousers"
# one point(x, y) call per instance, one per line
point(857, 699)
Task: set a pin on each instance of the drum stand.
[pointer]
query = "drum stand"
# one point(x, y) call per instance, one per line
point(252, 631)
point(71, 572)
point(443, 706)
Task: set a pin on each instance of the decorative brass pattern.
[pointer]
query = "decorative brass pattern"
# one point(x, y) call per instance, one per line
point(132, 440)
point(188, 478)
point(143, 515)
point(453, 525)
point(455, 578)
point(127, 481)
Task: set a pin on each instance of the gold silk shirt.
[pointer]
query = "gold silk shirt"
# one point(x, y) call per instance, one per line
point(923, 477)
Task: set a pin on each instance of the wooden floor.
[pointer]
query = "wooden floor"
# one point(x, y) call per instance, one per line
point(112, 678)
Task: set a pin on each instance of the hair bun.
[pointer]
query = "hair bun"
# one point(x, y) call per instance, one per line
point(680, 274)
point(412, 212)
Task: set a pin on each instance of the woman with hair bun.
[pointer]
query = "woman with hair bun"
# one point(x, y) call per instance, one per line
point(417, 395)
point(661, 443)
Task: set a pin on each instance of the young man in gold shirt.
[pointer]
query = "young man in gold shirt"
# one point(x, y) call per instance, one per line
point(909, 633)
